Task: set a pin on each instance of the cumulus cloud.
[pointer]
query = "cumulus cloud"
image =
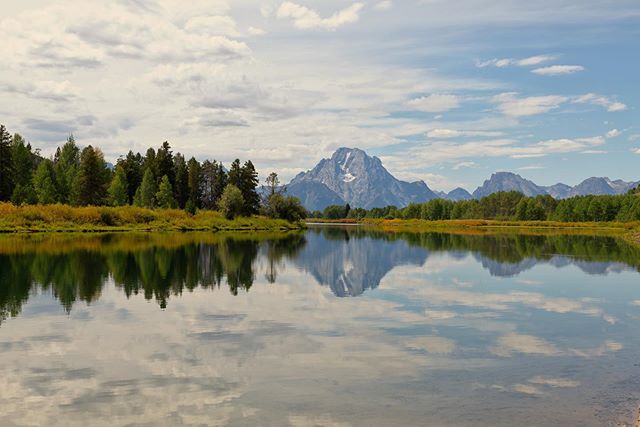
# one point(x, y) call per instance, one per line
point(305, 18)
point(613, 133)
point(558, 70)
point(435, 103)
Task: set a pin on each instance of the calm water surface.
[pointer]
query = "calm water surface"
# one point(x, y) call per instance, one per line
point(332, 327)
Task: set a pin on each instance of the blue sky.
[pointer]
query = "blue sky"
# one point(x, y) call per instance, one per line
point(447, 92)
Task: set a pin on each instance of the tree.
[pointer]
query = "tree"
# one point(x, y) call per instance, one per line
point(231, 202)
point(164, 164)
point(288, 208)
point(118, 194)
point(24, 161)
point(67, 161)
point(194, 183)
point(44, 183)
point(132, 165)
point(214, 181)
point(146, 193)
point(164, 196)
point(245, 178)
point(90, 185)
point(181, 189)
point(273, 183)
point(6, 165)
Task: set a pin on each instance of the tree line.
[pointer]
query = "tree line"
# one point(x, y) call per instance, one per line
point(157, 179)
point(508, 205)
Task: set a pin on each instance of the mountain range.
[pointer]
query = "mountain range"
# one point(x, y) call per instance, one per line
point(351, 176)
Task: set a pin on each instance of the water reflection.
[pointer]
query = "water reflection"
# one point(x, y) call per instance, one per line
point(446, 329)
point(347, 260)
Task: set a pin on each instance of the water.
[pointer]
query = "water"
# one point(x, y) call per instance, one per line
point(332, 327)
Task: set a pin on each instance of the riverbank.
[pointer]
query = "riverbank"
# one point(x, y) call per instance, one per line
point(630, 231)
point(63, 218)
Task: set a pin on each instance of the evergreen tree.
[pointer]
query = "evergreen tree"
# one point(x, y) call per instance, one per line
point(182, 181)
point(194, 182)
point(24, 161)
point(7, 178)
point(214, 181)
point(164, 164)
point(249, 182)
point(146, 193)
point(164, 196)
point(133, 169)
point(44, 183)
point(67, 161)
point(90, 184)
point(118, 190)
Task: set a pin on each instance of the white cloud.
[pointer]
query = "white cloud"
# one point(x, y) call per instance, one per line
point(254, 31)
point(602, 101)
point(531, 167)
point(506, 62)
point(435, 103)
point(558, 70)
point(613, 133)
point(306, 18)
point(636, 150)
point(453, 133)
point(509, 104)
point(383, 5)
point(464, 165)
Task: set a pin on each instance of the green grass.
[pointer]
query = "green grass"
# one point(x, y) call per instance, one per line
point(63, 218)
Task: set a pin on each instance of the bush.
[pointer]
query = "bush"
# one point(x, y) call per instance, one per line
point(288, 208)
point(231, 202)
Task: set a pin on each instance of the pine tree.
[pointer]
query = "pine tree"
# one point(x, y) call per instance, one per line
point(44, 183)
point(67, 161)
point(164, 196)
point(249, 183)
point(214, 181)
point(90, 184)
point(194, 181)
point(23, 166)
point(146, 193)
point(133, 169)
point(7, 178)
point(164, 164)
point(182, 181)
point(118, 195)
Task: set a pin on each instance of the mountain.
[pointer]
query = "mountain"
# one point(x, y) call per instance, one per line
point(558, 191)
point(357, 179)
point(315, 196)
point(598, 186)
point(507, 181)
point(458, 194)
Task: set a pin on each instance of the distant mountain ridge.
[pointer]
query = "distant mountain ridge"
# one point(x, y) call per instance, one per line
point(351, 176)
point(358, 179)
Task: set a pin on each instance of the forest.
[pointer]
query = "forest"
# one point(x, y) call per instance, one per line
point(511, 206)
point(157, 179)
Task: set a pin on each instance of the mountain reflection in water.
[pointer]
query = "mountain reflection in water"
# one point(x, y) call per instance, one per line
point(348, 260)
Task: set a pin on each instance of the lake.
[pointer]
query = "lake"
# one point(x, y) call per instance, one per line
point(335, 326)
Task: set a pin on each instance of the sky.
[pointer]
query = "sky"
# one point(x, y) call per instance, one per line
point(442, 91)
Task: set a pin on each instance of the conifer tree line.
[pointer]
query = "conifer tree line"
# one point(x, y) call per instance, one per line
point(159, 179)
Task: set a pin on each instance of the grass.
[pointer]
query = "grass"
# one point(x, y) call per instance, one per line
point(64, 218)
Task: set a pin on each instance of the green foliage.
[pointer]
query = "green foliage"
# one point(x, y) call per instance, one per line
point(164, 164)
point(284, 207)
point(194, 184)
point(231, 202)
point(181, 192)
point(132, 165)
point(90, 184)
point(44, 183)
point(164, 196)
point(67, 162)
point(7, 172)
point(245, 178)
point(118, 190)
point(146, 194)
point(335, 212)
point(214, 181)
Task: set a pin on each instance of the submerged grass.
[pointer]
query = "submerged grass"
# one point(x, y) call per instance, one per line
point(61, 218)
